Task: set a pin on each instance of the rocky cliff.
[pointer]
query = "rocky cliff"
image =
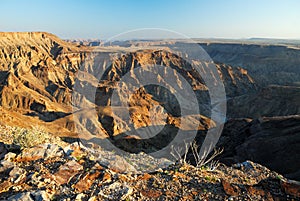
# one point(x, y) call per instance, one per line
point(273, 100)
point(272, 141)
point(38, 72)
point(68, 89)
point(267, 63)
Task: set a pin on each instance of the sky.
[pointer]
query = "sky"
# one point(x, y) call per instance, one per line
point(91, 19)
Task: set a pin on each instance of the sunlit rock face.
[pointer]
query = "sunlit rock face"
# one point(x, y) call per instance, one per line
point(68, 89)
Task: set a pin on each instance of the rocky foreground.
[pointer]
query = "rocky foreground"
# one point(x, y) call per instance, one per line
point(73, 172)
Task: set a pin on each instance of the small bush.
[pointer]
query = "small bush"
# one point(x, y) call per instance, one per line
point(26, 138)
point(201, 161)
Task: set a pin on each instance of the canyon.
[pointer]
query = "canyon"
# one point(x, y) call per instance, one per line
point(67, 88)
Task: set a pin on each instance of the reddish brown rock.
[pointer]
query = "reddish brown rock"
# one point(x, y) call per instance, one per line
point(28, 158)
point(67, 171)
point(230, 189)
point(4, 186)
point(291, 187)
point(255, 191)
point(106, 178)
point(151, 193)
point(145, 176)
point(86, 182)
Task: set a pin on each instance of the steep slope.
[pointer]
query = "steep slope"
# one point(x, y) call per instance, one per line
point(271, 141)
point(31, 77)
point(268, 64)
point(38, 72)
point(68, 90)
point(273, 100)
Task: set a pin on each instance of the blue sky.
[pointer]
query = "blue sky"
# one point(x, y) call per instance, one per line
point(193, 18)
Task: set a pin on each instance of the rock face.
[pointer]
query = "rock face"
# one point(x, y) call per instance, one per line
point(68, 89)
point(32, 85)
point(272, 138)
point(273, 100)
point(268, 64)
point(271, 141)
point(37, 83)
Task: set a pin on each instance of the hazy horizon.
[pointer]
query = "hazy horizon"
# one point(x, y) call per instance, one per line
point(155, 38)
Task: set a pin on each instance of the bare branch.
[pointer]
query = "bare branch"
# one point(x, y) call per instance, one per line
point(199, 160)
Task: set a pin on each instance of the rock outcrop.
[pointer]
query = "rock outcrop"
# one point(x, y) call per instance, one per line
point(271, 141)
point(73, 172)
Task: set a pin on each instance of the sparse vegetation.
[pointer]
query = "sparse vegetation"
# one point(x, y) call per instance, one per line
point(204, 160)
point(26, 138)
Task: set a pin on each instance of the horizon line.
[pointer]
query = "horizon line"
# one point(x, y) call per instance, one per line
point(160, 38)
